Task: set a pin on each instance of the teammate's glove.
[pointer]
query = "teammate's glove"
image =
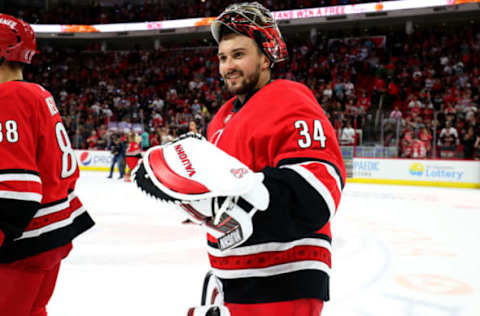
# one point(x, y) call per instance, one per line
point(211, 187)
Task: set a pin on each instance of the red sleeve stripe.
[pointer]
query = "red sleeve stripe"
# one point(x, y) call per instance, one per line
point(327, 175)
point(269, 259)
point(332, 173)
point(21, 186)
point(269, 247)
point(314, 180)
point(70, 215)
point(45, 220)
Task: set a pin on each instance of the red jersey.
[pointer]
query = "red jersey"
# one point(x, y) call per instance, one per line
point(39, 210)
point(419, 150)
point(282, 132)
point(133, 149)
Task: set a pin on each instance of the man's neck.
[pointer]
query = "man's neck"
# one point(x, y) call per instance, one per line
point(9, 74)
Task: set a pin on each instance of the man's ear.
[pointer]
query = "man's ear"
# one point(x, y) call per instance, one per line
point(265, 62)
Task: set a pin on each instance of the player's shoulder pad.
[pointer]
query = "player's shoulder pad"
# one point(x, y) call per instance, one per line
point(45, 97)
point(288, 93)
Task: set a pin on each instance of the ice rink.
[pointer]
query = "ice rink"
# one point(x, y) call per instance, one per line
point(397, 251)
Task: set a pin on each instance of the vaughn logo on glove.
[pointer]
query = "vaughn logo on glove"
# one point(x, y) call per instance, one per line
point(184, 158)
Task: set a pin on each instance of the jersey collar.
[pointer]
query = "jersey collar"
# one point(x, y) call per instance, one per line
point(237, 104)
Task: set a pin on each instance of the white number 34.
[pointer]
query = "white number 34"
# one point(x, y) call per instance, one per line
point(306, 138)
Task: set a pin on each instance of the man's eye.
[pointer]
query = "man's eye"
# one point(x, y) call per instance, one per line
point(238, 55)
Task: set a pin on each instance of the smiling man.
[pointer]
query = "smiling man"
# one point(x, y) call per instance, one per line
point(277, 128)
point(242, 65)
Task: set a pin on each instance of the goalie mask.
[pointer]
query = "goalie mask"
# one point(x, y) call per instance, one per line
point(255, 21)
point(17, 40)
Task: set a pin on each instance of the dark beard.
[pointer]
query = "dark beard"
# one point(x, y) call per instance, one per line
point(247, 85)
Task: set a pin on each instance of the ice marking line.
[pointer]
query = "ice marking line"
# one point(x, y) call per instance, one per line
point(447, 310)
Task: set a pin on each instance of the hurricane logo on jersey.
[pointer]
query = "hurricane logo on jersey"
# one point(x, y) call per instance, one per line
point(417, 169)
point(85, 158)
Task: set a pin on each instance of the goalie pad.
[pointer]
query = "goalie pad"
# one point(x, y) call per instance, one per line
point(213, 188)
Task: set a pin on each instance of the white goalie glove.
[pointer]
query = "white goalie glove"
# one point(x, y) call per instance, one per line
point(211, 187)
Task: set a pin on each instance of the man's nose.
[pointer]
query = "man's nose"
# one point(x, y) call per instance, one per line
point(228, 65)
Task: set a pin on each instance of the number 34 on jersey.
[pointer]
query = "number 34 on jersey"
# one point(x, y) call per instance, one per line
point(307, 136)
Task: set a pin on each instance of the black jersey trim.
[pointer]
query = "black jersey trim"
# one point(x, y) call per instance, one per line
point(15, 215)
point(314, 236)
point(65, 199)
point(28, 247)
point(278, 288)
point(22, 171)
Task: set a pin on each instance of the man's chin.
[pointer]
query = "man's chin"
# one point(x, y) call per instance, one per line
point(236, 89)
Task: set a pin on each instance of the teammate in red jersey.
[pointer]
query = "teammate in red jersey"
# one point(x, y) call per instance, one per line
point(39, 211)
point(275, 127)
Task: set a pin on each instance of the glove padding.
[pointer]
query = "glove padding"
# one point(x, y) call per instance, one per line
point(211, 187)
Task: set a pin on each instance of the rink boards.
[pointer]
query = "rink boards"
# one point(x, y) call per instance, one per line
point(442, 173)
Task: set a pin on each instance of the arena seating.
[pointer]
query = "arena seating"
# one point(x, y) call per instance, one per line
point(420, 92)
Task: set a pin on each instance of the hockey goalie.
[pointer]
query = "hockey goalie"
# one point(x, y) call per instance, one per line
point(265, 185)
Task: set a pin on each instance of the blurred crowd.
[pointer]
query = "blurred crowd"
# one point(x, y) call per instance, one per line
point(96, 13)
point(420, 91)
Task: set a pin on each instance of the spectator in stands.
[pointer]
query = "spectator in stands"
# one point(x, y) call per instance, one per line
point(364, 102)
point(145, 142)
point(425, 136)
point(449, 130)
point(447, 141)
point(415, 106)
point(468, 142)
point(419, 150)
point(347, 135)
point(165, 135)
point(102, 137)
point(396, 114)
point(476, 147)
point(192, 127)
point(92, 140)
point(78, 140)
point(406, 143)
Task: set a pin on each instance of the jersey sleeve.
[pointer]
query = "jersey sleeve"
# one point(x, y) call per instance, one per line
point(306, 174)
point(20, 183)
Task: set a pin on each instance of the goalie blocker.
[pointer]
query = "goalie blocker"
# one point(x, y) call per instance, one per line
point(211, 187)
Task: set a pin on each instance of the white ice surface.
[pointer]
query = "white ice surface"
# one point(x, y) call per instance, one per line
point(398, 251)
